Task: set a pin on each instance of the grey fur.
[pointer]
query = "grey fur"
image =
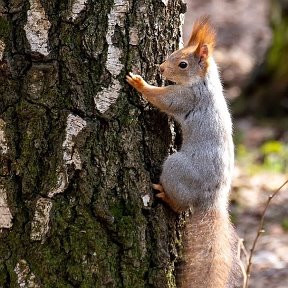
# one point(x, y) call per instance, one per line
point(200, 173)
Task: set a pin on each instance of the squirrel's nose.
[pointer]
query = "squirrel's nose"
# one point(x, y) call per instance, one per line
point(161, 68)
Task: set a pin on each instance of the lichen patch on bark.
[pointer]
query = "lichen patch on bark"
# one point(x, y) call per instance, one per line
point(75, 125)
point(40, 222)
point(5, 213)
point(62, 182)
point(2, 48)
point(71, 156)
point(146, 200)
point(25, 278)
point(37, 28)
point(181, 39)
point(113, 64)
point(77, 7)
point(115, 18)
point(108, 96)
point(133, 36)
point(165, 2)
point(3, 141)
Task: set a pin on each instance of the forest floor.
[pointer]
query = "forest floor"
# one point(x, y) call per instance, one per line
point(261, 168)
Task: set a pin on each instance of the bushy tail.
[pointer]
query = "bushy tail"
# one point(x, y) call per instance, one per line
point(209, 252)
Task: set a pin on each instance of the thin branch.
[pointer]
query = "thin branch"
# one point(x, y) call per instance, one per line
point(241, 248)
point(259, 232)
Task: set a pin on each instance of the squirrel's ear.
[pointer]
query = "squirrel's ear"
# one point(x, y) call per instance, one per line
point(202, 51)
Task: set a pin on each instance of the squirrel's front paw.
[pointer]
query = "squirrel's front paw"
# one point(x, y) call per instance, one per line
point(136, 81)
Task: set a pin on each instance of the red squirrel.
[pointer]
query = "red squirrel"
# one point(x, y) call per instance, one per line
point(199, 175)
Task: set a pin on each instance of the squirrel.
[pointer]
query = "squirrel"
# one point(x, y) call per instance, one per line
point(198, 176)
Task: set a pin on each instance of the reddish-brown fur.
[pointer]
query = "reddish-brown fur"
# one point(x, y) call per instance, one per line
point(203, 39)
point(208, 257)
point(202, 33)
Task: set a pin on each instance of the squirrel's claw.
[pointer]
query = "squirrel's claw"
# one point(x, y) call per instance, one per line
point(135, 80)
point(161, 193)
point(158, 187)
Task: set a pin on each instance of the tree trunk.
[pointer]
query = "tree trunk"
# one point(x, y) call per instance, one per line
point(79, 149)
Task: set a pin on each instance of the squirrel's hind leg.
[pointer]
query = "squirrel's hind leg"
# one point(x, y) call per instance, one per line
point(163, 196)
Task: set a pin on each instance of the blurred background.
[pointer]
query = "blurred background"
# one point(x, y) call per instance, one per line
point(252, 55)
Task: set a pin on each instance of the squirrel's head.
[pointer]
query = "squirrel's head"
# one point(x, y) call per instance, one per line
point(189, 64)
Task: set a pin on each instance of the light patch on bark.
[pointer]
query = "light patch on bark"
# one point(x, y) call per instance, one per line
point(5, 214)
point(75, 125)
point(3, 141)
point(113, 63)
point(37, 28)
point(40, 222)
point(25, 277)
point(165, 2)
point(2, 48)
point(115, 17)
point(108, 96)
point(146, 200)
point(173, 134)
point(77, 7)
point(62, 183)
point(181, 39)
point(133, 36)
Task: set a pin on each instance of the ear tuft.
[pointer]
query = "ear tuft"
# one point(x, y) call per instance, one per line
point(203, 34)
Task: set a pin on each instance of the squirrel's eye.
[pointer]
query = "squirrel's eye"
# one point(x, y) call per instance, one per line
point(183, 65)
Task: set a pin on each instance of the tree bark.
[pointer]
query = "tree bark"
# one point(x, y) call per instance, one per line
point(79, 149)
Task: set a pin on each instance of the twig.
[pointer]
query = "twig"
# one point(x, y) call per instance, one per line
point(259, 232)
point(241, 247)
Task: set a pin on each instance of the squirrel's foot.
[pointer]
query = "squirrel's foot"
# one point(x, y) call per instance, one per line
point(136, 81)
point(159, 188)
point(163, 196)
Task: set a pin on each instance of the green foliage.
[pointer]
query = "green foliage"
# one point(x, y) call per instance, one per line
point(271, 156)
point(271, 147)
point(285, 223)
point(247, 158)
point(275, 155)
